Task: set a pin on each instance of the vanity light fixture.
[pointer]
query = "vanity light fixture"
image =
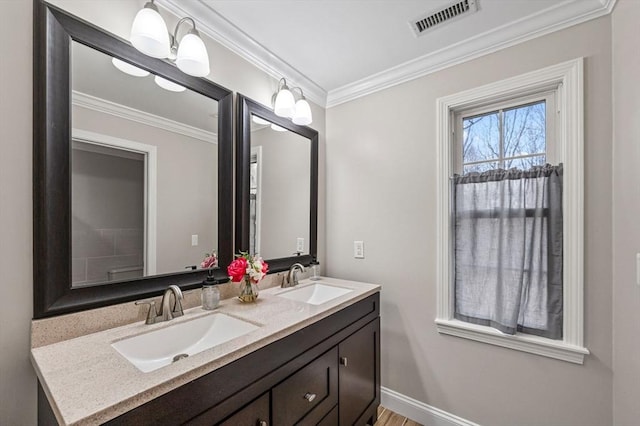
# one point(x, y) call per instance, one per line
point(150, 36)
point(259, 120)
point(127, 68)
point(285, 104)
point(168, 85)
point(277, 128)
point(149, 32)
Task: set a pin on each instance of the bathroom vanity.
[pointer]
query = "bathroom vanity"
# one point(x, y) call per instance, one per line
point(304, 363)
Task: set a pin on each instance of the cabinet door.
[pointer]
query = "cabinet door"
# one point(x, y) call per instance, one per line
point(359, 375)
point(256, 413)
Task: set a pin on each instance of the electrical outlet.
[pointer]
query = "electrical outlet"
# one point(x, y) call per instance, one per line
point(358, 249)
point(194, 240)
point(300, 245)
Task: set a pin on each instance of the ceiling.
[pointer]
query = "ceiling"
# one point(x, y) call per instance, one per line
point(337, 50)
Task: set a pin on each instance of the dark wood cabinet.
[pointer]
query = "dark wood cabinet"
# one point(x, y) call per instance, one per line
point(300, 379)
point(256, 413)
point(359, 374)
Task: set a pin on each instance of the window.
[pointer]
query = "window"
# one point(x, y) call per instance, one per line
point(523, 121)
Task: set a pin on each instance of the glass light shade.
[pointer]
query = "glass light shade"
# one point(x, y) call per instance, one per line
point(285, 105)
point(192, 56)
point(149, 33)
point(169, 85)
point(302, 115)
point(259, 120)
point(127, 68)
point(277, 128)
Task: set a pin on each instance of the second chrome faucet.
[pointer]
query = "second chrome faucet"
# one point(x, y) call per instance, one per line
point(167, 312)
point(292, 276)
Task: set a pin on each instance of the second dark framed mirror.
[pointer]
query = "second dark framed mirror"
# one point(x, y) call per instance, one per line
point(165, 150)
point(276, 187)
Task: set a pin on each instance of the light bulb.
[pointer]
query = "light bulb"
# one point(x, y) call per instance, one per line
point(285, 103)
point(302, 116)
point(169, 85)
point(277, 128)
point(127, 68)
point(259, 120)
point(192, 55)
point(149, 32)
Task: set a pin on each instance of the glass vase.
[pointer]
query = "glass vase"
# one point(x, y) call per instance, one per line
point(248, 291)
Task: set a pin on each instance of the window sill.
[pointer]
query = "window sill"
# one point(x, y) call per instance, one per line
point(520, 342)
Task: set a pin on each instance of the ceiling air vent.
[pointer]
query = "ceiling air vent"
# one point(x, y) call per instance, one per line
point(426, 22)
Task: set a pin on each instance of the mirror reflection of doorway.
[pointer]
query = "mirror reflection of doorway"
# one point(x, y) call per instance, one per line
point(109, 192)
point(255, 200)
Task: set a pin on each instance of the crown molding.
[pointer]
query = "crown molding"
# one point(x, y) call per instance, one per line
point(218, 28)
point(558, 17)
point(563, 15)
point(101, 105)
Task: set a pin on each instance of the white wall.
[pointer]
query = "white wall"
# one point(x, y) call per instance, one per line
point(17, 379)
point(626, 209)
point(381, 174)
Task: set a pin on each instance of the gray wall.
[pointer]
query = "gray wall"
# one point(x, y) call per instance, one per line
point(626, 211)
point(285, 191)
point(107, 215)
point(381, 172)
point(187, 187)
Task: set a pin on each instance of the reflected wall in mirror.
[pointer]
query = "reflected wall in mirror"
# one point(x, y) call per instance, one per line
point(279, 192)
point(132, 183)
point(144, 173)
point(277, 196)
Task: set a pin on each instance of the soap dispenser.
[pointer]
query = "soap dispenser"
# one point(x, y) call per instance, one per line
point(210, 292)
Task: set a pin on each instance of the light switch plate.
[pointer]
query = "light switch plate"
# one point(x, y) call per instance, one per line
point(300, 245)
point(358, 249)
point(194, 240)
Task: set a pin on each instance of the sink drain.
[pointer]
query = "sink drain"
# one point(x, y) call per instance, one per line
point(179, 357)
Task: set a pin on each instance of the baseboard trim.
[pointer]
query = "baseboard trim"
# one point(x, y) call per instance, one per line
point(419, 411)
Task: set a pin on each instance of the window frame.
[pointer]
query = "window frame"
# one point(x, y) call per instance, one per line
point(551, 112)
point(566, 80)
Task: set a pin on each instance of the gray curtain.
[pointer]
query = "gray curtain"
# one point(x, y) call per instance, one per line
point(508, 250)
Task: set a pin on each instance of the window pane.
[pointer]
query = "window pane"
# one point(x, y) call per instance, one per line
point(480, 167)
point(481, 138)
point(525, 163)
point(524, 130)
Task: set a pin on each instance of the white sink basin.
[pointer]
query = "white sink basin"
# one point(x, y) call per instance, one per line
point(153, 350)
point(316, 293)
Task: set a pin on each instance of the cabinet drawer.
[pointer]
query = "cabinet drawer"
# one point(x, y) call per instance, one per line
point(309, 394)
point(256, 413)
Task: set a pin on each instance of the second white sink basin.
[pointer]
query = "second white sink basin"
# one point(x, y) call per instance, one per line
point(316, 293)
point(153, 350)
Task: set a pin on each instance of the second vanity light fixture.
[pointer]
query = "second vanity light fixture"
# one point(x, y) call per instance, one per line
point(285, 104)
point(150, 36)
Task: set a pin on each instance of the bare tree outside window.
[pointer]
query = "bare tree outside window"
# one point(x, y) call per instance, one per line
point(507, 138)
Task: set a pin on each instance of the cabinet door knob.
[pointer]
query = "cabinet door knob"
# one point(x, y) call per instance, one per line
point(262, 423)
point(343, 360)
point(309, 396)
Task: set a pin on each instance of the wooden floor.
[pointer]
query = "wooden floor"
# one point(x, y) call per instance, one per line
point(389, 418)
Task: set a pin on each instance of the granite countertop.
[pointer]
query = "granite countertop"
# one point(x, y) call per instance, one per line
point(87, 381)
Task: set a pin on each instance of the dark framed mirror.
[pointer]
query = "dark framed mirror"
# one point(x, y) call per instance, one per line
point(277, 187)
point(133, 183)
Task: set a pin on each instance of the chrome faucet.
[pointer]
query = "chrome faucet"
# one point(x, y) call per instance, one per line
point(166, 311)
point(292, 276)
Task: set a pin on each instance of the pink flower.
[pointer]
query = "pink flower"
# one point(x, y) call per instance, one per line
point(237, 269)
point(209, 262)
point(265, 268)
